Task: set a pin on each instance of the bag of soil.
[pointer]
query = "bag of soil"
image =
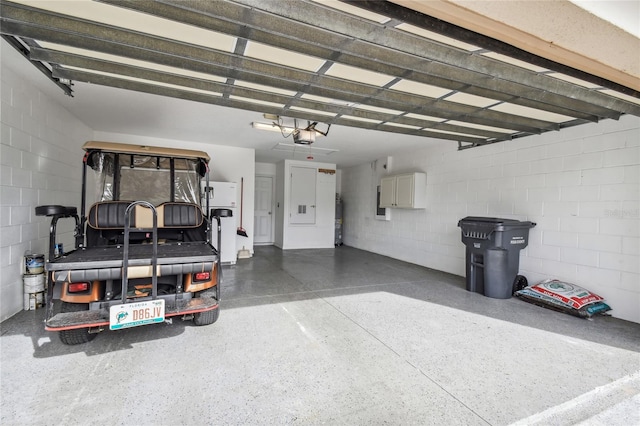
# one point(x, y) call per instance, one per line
point(564, 297)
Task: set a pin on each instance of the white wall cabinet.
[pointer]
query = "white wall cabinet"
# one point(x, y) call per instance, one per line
point(404, 191)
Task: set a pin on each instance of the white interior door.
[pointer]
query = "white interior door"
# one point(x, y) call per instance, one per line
point(302, 207)
point(263, 219)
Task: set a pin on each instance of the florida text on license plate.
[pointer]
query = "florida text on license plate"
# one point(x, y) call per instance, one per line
point(135, 314)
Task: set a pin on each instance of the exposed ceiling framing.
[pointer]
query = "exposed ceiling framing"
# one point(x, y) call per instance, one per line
point(379, 67)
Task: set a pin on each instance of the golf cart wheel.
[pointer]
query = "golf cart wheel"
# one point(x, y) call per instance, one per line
point(207, 317)
point(77, 336)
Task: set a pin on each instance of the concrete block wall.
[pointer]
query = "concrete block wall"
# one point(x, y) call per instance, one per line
point(40, 163)
point(580, 185)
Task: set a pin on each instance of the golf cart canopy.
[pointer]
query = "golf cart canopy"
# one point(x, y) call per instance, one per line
point(140, 172)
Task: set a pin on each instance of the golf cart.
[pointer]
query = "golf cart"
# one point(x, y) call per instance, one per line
point(143, 250)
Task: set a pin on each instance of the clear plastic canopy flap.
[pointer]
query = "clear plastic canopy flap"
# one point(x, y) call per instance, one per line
point(138, 177)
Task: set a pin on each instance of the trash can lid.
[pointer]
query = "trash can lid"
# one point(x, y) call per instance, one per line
point(496, 222)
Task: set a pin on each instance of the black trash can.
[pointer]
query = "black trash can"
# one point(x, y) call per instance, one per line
point(493, 253)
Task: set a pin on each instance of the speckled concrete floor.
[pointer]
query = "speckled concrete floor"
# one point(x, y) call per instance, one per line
point(331, 337)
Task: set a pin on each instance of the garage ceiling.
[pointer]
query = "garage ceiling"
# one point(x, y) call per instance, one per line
point(368, 64)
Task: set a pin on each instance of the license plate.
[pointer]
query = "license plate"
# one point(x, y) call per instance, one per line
point(135, 314)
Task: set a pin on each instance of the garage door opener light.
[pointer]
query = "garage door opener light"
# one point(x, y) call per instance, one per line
point(301, 135)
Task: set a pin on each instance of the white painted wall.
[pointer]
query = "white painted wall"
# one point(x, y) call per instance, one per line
point(40, 163)
point(265, 169)
point(228, 164)
point(296, 236)
point(581, 186)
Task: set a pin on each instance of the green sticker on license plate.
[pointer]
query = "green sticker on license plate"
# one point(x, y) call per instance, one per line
point(135, 314)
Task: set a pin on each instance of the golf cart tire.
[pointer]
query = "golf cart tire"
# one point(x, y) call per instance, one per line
point(76, 336)
point(207, 317)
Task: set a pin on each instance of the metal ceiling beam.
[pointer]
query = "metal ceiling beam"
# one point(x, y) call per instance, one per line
point(26, 51)
point(267, 28)
point(343, 90)
point(56, 28)
point(430, 23)
point(120, 83)
point(441, 57)
point(77, 61)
